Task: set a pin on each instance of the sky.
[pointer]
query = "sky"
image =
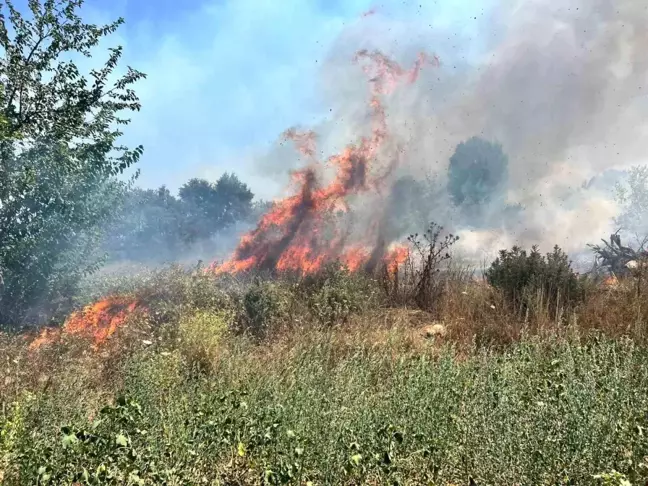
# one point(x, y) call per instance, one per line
point(226, 77)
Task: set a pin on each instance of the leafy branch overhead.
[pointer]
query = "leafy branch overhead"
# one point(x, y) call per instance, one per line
point(59, 150)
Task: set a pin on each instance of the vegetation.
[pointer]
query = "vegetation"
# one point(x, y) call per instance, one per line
point(417, 373)
point(343, 386)
point(59, 154)
point(545, 282)
point(156, 225)
point(478, 171)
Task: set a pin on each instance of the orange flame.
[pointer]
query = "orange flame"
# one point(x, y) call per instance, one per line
point(305, 231)
point(96, 322)
point(395, 258)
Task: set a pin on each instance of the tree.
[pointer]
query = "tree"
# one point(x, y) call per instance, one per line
point(59, 153)
point(234, 198)
point(151, 225)
point(477, 172)
point(154, 224)
point(214, 207)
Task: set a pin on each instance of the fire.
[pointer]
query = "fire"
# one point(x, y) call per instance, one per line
point(611, 282)
point(96, 322)
point(395, 258)
point(313, 227)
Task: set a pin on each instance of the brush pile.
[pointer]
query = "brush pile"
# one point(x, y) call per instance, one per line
point(617, 259)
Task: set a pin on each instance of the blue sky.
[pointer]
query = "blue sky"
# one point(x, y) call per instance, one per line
point(226, 77)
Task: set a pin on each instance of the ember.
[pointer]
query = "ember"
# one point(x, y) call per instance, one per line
point(311, 228)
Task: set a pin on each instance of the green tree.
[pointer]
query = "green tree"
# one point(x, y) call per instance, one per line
point(154, 224)
point(478, 171)
point(151, 225)
point(59, 153)
point(211, 207)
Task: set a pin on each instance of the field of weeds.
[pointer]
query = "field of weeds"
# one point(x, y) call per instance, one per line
point(337, 378)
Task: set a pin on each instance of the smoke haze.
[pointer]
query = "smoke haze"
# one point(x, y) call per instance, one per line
point(561, 88)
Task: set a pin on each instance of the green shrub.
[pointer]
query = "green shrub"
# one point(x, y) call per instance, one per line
point(265, 306)
point(529, 280)
point(340, 294)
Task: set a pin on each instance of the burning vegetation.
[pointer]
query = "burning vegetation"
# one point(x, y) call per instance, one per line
point(314, 226)
point(96, 322)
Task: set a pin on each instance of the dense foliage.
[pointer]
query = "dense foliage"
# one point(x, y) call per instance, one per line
point(532, 279)
point(157, 225)
point(59, 153)
point(478, 171)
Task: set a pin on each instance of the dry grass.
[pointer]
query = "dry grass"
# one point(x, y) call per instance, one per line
point(181, 351)
point(473, 316)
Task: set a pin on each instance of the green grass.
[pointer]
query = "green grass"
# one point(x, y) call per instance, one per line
point(345, 408)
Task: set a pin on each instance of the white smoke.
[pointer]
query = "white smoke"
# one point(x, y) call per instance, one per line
point(563, 86)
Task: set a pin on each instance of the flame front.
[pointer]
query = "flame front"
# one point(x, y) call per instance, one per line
point(96, 322)
point(307, 230)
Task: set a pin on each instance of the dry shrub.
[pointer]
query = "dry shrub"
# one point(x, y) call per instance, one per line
point(422, 279)
point(616, 311)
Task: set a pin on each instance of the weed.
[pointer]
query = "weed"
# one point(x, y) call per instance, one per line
point(266, 306)
point(200, 336)
point(340, 295)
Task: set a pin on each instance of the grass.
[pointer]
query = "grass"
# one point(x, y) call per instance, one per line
point(342, 386)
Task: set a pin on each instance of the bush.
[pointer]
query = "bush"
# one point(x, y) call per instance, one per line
point(200, 335)
point(265, 305)
point(536, 282)
point(340, 295)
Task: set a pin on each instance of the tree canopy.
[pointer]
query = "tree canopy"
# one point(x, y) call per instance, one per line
point(59, 152)
point(156, 224)
point(478, 170)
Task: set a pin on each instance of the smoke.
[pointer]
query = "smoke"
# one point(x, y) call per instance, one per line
point(562, 86)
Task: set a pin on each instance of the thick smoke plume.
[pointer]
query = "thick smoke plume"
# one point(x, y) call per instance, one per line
point(562, 86)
